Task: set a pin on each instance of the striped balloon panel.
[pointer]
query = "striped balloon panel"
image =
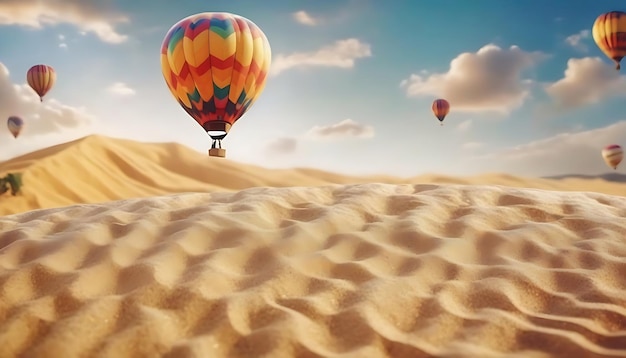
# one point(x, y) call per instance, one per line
point(215, 65)
point(41, 78)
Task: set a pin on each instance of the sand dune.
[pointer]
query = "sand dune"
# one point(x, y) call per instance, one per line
point(100, 169)
point(368, 270)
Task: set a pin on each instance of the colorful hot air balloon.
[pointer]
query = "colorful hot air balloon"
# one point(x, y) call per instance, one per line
point(15, 125)
point(609, 33)
point(441, 108)
point(215, 65)
point(41, 78)
point(613, 155)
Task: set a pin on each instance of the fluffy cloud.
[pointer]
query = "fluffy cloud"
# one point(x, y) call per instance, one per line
point(121, 89)
point(347, 128)
point(586, 81)
point(473, 145)
point(488, 80)
point(576, 40)
point(341, 54)
point(87, 15)
point(62, 43)
point(41, 118)
point(565, 153)
point(281, 146)
point(465, 125)
point(304, 18)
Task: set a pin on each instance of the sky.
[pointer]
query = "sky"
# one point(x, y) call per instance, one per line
point(350, 86)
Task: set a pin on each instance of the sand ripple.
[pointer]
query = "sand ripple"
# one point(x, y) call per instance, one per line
point(341, 271)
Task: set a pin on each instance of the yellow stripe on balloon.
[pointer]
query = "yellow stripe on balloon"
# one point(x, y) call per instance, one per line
point(165, 68)
point(177, 58)
point(193, 50)
point(203, 80)
point(221, 78)
point(53, 79)
point(201, 47)
point(264, 66)
point(45, 80)
point(222, 48)
point(251, 77)
point(245, 48)
point(204, 85)
point(267, 61)
point(181, 94)
point(267, 54)
point(618, 24)
point(259, 59)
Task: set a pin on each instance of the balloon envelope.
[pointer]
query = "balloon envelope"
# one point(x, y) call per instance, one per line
point(15, 125)
point(613, 155)
point(41, 78)
point(441, 108)
point(216, 66)
point(609, 33)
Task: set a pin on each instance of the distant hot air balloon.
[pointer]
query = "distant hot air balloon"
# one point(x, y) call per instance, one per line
point(215, 65)
point(613, 155)
point(609, 33)
point(441, 108)
point(41, 78)
point(15, 125)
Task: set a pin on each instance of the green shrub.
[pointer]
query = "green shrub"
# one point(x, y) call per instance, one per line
point(12, 181)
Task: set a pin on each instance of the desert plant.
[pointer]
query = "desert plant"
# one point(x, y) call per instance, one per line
point(12, 181)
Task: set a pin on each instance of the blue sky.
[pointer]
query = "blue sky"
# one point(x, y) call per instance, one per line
point(351, 84)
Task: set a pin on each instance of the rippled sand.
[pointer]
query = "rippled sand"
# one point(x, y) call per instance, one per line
point(369, 270)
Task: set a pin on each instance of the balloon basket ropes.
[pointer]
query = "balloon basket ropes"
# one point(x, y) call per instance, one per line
point(217, 152)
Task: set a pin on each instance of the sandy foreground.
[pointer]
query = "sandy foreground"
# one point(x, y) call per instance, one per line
point(331, 267)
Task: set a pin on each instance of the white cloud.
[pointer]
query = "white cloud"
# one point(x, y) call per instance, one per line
point(341, 54)
point(347, 128)
point(282, 146)
point(465, 125)
point(488, 80)
point(576, 40)
point(304, 18)
point(40, 118)
point(121, 89)
point(473, 145)
point(93, 16)
point(565, 153)
point(62, 43)
point(586, 81)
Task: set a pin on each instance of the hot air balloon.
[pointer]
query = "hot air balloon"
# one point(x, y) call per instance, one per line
point(15, 125)
point(613, 155)
point(215, 65)
point(41, 78)
point(609, 33)
point(441, 108)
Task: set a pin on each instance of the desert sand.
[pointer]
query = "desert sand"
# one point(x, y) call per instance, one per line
point(212, 258)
